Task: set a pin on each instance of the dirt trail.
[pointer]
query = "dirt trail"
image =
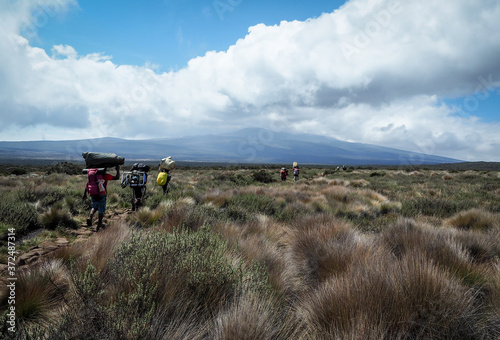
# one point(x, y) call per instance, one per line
point(33, 255)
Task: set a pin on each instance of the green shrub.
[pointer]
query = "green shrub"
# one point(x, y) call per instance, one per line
point(158, 272)
point(52, 196)
point(65, 168)
point(19, 171)
point(18, 214)
point(262, 176)
point(430, 206)
point(254, 203)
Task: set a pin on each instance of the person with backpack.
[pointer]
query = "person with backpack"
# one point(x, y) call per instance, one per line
point(283, 174)
point(164, 176)
point(137, 180)
point(97, 181)
point(296, 173)
point(163, 180)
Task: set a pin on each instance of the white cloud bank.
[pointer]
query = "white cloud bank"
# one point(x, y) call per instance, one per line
point(373, 71)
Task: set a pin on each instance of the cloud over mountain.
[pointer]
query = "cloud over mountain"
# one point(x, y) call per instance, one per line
point(372, 71)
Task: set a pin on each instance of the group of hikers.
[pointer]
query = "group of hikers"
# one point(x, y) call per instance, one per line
point(295, 172)
point(136, 178)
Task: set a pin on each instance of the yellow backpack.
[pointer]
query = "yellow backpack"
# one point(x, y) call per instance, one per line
point(161, 180)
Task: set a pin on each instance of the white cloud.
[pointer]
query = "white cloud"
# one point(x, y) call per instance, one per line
point(372, 71)
point(64, 51)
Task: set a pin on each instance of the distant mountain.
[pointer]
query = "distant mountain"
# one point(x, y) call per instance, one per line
point(245, 146)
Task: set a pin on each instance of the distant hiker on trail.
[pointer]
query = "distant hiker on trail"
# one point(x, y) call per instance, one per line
point(296, 172)
point(96, 188)
point(136, 179)
point(283, 174)
point(164, 176)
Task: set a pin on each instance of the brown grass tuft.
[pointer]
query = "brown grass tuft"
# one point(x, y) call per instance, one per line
point(392, 299)
point(254, 317)
point(473, 219)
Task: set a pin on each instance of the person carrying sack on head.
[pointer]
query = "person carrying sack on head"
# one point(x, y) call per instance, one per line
point(96, 187)
point(296, 171)
point(164, 176)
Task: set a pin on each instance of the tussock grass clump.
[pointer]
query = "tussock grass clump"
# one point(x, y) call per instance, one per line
point(448, 177)
point(446, 250)
point(40, 293)
point(57, 216)
point(474, 219)
point(252, 317)
point(355, 203)
point(322, 247)
point(386, 299)
point(482, 248)
point(146, 217)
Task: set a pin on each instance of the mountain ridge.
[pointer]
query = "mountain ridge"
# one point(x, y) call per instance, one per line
point(250, 145)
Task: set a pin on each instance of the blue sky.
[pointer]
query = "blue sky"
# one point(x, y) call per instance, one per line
point(168, 33)
point(417, 75)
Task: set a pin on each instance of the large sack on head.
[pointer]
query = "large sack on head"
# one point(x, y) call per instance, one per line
point(167, 163)
point(102, 160)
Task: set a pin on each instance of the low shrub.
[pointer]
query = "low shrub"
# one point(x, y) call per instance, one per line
point(158, 273)
point(263, 177)
point(430, 206)
point(18, 214)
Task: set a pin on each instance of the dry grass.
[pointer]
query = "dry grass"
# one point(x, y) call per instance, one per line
point(347, 255)
point(254, 317)
point(385, 298)
point(40, 295)
point(474, 219)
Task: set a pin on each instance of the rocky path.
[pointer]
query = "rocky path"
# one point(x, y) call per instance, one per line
point(44, 249)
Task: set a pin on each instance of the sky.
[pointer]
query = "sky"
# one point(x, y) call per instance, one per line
point(422, 76)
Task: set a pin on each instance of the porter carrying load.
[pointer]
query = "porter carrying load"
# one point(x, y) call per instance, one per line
point(167, 163)
point(102, 160)
point(164, 177)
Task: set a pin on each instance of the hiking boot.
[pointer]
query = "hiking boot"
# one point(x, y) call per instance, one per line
point(89, 222)
point(99, 226)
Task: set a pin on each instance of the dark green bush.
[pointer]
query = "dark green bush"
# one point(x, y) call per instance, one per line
point(19, 171)
point(262, 176)
point(65, 168)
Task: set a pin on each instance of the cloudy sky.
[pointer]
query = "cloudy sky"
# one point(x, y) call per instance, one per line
point(419, 75)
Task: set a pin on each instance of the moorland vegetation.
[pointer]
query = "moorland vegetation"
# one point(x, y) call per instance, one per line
point(234, 253)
